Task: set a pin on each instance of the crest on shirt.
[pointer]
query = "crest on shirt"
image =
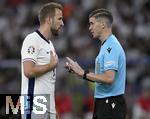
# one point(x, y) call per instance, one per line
point(109, 63)
point(31, 49)
point(109, 49)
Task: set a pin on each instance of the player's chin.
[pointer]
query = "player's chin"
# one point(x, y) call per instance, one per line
point(59, 30)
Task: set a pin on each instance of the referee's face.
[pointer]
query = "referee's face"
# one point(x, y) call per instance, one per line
point(57, 22)
point(95, 27)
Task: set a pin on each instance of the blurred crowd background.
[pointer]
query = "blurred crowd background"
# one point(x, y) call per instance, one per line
point(74, 96)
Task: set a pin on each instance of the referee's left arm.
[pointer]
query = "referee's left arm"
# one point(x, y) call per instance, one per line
point(106, 77)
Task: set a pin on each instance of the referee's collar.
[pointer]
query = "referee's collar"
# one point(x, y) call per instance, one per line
point(38, 32)
point(106, 39)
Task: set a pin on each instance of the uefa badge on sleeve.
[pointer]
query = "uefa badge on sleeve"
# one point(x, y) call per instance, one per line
point(31, 50)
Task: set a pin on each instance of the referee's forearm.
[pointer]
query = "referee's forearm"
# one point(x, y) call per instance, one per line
point(106, 77)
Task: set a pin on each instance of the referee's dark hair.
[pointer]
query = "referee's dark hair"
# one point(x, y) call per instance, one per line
point(48, 9)
point(102, 13)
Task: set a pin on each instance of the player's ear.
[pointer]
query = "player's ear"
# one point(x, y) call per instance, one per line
point(49, 20)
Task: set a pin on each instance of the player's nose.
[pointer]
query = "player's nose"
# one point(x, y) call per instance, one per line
point(62, 23)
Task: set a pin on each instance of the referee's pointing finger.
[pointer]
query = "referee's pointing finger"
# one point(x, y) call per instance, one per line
point(70, 60)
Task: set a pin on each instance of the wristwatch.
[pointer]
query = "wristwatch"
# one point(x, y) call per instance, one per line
point(85, 73)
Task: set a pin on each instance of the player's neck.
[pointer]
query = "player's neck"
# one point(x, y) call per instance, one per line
point(45, 31)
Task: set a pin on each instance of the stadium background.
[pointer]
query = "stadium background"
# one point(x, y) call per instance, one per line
point(74, 96)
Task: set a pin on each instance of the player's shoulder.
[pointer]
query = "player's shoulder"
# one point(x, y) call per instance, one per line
point(31, 38)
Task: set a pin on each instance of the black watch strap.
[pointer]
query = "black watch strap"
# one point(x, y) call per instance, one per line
point(85, 73)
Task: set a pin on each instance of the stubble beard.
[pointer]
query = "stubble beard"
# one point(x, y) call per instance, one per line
point(54, 32)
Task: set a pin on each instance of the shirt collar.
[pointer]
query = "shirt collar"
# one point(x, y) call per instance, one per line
point(106, 39)
point(38, 32)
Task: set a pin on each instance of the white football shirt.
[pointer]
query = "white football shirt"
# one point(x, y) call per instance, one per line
point(36, 48)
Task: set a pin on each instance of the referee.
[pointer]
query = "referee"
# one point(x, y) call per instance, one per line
point(110, 69)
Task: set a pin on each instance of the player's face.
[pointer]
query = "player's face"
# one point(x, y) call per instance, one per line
point(95, 27)
point(57, 22)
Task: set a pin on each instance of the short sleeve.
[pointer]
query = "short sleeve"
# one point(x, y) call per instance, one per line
point(111, 58)
point(29, 49)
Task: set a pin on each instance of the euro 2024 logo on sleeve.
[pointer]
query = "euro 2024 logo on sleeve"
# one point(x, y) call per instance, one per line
point(31, 49)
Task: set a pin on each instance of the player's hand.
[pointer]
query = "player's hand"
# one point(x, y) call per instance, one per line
point(53, 59)
point(74, 66)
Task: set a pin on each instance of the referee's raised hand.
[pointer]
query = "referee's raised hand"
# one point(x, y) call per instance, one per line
point(74, 67)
